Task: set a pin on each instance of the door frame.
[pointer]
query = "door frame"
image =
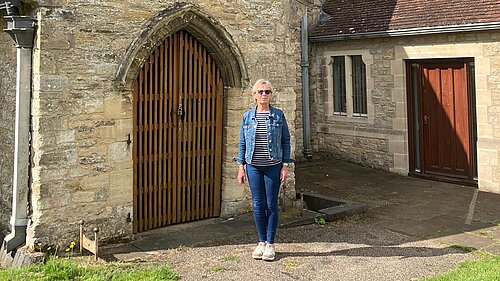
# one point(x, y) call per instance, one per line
point(414, 113)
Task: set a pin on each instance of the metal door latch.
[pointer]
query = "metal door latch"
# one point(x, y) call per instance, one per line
point(426, 119)
point(128, 141)
point(180, 111)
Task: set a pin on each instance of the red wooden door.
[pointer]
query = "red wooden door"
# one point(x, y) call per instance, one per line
point(444, 119)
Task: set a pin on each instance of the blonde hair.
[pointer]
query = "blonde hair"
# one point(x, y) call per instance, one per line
point(261, 82)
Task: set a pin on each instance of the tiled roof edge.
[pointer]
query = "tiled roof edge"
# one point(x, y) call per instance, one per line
point(408, 32)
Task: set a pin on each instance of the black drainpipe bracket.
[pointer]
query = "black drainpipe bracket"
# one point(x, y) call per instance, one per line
point(21, 29)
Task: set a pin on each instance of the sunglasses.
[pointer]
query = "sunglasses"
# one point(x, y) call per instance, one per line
point(267, 92)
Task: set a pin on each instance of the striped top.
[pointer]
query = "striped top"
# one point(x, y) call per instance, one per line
point(261, 152)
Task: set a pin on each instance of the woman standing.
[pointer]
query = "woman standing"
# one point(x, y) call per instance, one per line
point(264, 149)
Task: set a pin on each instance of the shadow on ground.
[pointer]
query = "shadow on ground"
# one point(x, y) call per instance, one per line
point(401, 210)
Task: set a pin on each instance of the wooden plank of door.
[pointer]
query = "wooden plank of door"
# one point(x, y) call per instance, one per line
point(425, 110)
point(143, 178)
point(182, 127)
point(447, 126)
point(435, 118)
point(185, 131)
point(203, 134)
point(161, 134)
point(150, 145)
point(177, 143)
point(189, 111)
point(196, 79)
point(206, 82)
point(194, 109)
point(154, 124)
point(171, 171)
point(213, 94)
point(463, 164)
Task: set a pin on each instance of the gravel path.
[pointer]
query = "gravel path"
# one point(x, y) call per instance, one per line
point(344, 250)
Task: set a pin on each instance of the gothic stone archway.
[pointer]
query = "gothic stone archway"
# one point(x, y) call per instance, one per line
point(178, 114)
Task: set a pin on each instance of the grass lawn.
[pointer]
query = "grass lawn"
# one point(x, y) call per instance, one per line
point(67, 269)
point(485, 269)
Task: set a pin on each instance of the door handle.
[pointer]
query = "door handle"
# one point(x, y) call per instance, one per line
point(426, 119)
point(180, 110)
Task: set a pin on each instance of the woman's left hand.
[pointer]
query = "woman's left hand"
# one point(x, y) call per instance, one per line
point(284, 174)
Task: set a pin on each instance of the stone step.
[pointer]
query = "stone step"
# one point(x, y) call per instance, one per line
point(22, 256)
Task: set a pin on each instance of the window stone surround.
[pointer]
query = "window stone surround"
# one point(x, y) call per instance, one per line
point(329, 104)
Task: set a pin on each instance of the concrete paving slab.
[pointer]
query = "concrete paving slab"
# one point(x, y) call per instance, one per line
point(408, 182)
point(307, 217)
point(457, 211)
point(192, 233)
point(416, 213)
point(121, 252)
point(495, 232)
point(467, 240)
point(487, 215)
point(494, 249)
point(475, 225)
point(415, 228)
point(375, 217)
point(491, 233)
point(459, 224)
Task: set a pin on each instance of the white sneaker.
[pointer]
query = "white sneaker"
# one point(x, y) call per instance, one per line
point(269, 253)
point(259, 251)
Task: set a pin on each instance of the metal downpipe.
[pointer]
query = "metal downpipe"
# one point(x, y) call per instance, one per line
point(21, 29)
point(304, 63)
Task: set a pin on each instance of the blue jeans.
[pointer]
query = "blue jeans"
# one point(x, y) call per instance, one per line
point(264, 184)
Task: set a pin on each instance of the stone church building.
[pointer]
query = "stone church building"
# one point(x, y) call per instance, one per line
point(132, 110)
point(126, 114)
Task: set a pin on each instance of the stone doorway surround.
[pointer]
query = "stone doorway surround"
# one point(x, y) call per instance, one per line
point(219, 43)
point(487, 144)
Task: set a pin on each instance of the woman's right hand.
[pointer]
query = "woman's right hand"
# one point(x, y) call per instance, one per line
point(241, 175)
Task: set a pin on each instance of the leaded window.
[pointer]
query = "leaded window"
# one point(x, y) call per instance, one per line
point(358, 86)
point(339, 87)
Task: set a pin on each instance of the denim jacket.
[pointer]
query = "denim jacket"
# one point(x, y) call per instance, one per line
point(278, 136)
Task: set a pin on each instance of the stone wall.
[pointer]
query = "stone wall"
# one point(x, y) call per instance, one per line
point(370, 152)
point(85, 57)
point(358, 139)
point(381, 139)
point(7, 119)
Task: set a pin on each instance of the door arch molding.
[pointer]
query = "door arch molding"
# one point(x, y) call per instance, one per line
point(209, 32)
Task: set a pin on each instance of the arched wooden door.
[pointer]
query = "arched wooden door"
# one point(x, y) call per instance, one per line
point(177, 135)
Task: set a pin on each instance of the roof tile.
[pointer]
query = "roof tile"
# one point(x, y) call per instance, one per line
point(361, 16)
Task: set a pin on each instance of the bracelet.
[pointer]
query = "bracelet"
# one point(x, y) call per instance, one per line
point(285, 164)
